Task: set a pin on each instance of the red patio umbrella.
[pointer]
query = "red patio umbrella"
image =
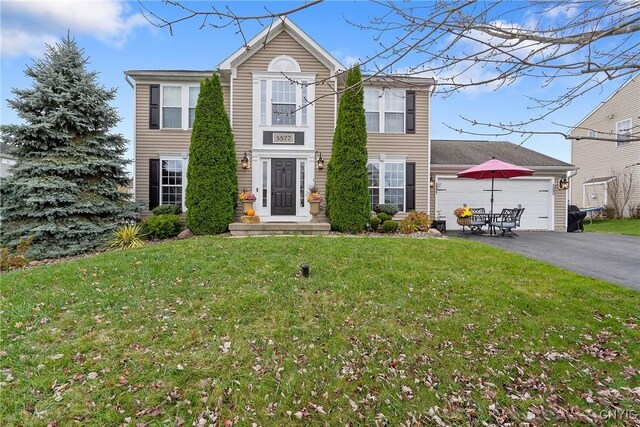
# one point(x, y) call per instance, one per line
point(495, 169)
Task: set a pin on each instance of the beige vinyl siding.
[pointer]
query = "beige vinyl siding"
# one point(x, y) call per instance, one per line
point(597, 159)
point(150, 143)
point(413, 146)
point(283, 43)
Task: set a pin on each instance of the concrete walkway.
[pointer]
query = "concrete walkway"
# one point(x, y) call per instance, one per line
point(610, 257)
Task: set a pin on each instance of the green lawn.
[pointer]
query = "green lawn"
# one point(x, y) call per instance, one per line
point(617, 226)
point(221, 330)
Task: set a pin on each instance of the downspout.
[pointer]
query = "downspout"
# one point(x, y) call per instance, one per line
point(429, 93)
point(133, 137)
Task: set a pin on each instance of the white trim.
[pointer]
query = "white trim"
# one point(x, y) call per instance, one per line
point(549, 181)
point(284, 64)
point(429, 92)
point(133, 141)
point(382, 160)
point(184, 105)
point(382, 110)
point(258, 128)
point(266, 155)
point(271, 31)
point(184, 159)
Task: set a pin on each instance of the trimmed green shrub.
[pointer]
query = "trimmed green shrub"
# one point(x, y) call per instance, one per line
point(348, 199)
point(374, 223)
point(161, 226)
point(388, 208)
point(414, 222)
point(212, 183)
point(167, 210)
point(383, 217)
point(389, 226)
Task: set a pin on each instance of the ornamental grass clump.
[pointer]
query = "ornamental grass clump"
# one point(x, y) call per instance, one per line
point(127, 237)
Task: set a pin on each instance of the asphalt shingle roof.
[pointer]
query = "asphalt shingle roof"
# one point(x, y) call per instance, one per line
point(469, 152)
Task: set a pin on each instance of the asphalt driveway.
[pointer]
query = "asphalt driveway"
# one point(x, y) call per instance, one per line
point(610, 257)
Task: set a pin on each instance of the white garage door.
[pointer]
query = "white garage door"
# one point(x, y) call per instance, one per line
point(534, 194)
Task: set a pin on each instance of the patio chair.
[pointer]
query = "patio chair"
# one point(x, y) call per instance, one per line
point(506, 222)
point(478, 220)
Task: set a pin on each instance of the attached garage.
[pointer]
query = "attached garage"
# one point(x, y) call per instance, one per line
point(535, 195)
point(545, 205)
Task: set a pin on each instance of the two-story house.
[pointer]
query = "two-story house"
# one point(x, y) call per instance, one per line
point(602, 147)
point(281, 92)
point(282, 96)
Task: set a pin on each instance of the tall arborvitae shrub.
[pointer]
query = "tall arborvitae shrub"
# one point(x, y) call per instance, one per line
point(212, 184)
point(348, 199)
point(68, 185)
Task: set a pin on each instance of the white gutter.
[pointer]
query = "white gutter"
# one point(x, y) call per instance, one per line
point(429, 93)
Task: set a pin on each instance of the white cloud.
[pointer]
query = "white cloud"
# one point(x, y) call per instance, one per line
point(27, 25)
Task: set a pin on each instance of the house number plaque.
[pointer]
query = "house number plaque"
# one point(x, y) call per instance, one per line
point(284, 138)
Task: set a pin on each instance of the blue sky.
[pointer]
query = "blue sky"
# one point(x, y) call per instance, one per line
point(116, 38)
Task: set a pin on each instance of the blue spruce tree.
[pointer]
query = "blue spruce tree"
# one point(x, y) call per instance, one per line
point(67, 187)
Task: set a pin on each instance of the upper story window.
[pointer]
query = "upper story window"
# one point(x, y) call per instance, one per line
point(283, 103)
point(179, 106)
point(623, 132)
point(592, 134)
point(385, 110)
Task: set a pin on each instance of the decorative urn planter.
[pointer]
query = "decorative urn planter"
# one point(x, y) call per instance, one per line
point(246, 205)
point(315, 210)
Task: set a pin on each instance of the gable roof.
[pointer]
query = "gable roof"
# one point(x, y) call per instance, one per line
point(277, 26)
point(600, 104)
point(473, 152)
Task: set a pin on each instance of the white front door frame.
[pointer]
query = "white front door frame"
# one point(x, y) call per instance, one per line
point(261, 174)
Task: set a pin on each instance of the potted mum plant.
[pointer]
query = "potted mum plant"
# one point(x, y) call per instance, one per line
point(314, 198)
point(464, 215)
point(247, 198)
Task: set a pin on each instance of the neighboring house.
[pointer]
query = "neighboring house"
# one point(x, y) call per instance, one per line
point(602, 147)
point(282, 94)
point(545, 205)
point(7, 159)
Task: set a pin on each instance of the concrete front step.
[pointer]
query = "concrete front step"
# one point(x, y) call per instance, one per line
point(272, 228)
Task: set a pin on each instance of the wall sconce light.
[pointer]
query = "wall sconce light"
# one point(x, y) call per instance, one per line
point(320, 162)
point(244, 162)
point(563, 183)
point(432, 181)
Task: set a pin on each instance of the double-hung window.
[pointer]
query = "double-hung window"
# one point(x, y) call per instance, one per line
point(179, 106)
point(172, 182)
point(623, 132)
point(373, 170)
point(387, 183)
point(172, 107)
point(372, 109)
point(385, 110)
point(283, 103)
point(394, 111)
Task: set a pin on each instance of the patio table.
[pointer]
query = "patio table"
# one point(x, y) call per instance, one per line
point(489, 218)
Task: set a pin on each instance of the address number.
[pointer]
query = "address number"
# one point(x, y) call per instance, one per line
point(284, 138)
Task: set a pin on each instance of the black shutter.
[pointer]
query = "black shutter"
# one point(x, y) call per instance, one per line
point(154, 183)
point(411, 187)
point(411, 112)
point(154, 106)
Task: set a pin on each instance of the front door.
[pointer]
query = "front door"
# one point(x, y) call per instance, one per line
point(283, 186)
